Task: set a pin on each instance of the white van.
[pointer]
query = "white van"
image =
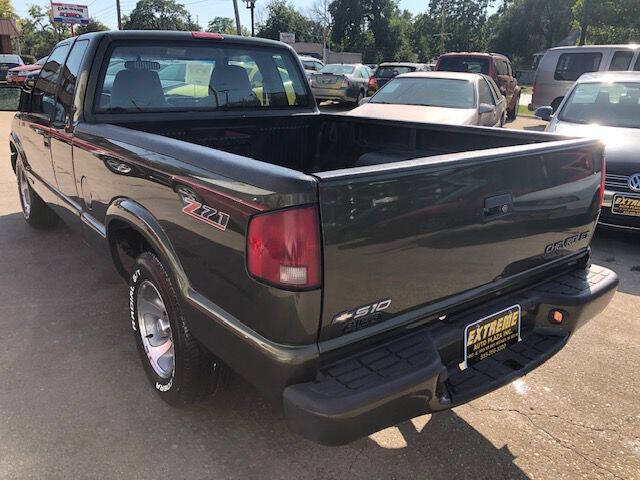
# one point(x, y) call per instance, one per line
point(562, 66)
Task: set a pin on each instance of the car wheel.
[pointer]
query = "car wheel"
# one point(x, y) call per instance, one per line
point(359, 97)
point(35, 211)
point(179, 368)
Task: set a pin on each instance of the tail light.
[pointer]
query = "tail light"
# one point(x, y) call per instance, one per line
point(346, 83)
point(283, 248)
point(373, 83)
point(602, 180)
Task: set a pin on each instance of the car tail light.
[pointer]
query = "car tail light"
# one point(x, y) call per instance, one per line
point(345, 83)
point(602, 180)
point(283, 248)
point(373, 83)
point(209, 35)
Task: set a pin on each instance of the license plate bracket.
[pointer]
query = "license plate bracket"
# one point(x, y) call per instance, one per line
point(491, 334)
point(626, 204)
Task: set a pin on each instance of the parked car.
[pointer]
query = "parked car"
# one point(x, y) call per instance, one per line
point(495, 65)
point(310, 64)
point(360, 271)
point(7, 62)
point(388, 70)
point(560, 67)
point(606, 105)
point(17, 75)
point(340, 82)
point(438, 97)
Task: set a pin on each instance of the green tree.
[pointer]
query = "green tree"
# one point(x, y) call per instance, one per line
point(465, 23)
point(159, 15)
point(607, 21)
point(227, 26)
point(281, 16)
point(38, 34)
point(93, 26)
point(7, 10)
point(521, 28)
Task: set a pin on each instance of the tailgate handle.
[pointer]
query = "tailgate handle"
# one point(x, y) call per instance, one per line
point(498, 206)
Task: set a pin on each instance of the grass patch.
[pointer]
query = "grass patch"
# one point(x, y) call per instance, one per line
point(524, 111)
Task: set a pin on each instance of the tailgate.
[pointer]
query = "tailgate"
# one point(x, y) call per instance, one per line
point(329, 80)
point(398, 238)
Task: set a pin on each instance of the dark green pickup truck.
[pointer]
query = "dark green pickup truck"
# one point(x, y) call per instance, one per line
point(361, 271)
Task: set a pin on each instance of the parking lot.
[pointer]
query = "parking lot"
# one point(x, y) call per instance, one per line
point(75, 402)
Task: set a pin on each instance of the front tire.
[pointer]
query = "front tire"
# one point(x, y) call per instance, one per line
point(36, 212)
point(179, 368)
point(512, 114)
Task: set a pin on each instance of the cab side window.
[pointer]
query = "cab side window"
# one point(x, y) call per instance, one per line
point(69, 74)
point(502, 67)
point(621, 60)
point(43, 98)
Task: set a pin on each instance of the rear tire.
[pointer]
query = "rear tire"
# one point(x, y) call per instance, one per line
point(36, 212)
point(512, 114)
point(179, 368)
point(358, 98)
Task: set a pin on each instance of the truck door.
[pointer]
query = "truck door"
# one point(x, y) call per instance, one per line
point(62, 125)
point(505, 80)
point(37, 143)
point(487, 119)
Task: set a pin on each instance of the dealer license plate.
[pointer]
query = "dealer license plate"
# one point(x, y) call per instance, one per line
point(626, 205)
point(491, 335)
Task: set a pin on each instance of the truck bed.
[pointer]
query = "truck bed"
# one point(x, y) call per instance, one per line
point(425, 217)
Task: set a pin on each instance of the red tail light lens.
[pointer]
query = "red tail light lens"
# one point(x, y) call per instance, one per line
point(602, 180)
point(373, 83)
point(283, 248)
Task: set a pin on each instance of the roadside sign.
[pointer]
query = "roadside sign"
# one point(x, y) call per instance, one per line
point(287, 37)
point(69, 13)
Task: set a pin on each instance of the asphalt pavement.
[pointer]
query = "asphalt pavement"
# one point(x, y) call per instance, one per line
point(75, 403)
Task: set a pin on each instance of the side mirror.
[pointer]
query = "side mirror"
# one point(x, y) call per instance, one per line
point(485, 108)
point(364, 100)
point(545, 113)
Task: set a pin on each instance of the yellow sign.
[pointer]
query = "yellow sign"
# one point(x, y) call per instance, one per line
point(491, 335)
point(626, 205)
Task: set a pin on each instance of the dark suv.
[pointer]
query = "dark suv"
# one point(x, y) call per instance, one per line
point(495, 65)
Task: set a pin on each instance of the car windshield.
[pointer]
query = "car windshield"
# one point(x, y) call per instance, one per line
point(611, 104)
point(42, 61)
point(464, 64)
point(434, 92)
point(338, 69)
point(10, 59)
point(392, 71)
point(154, 78)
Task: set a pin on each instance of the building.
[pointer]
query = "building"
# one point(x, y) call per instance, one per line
point(315, 50)
point(8, 30)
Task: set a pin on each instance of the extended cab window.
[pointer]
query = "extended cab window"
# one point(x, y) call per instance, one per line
point(64, 103)
point(572, 65)
point(154, 78)
point(43, 99)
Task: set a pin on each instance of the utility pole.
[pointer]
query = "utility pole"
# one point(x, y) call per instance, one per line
point(324, 34)
point(442, 34)
point(251, 5)
point(584, 24)
point(238, 27)
point(119, 15)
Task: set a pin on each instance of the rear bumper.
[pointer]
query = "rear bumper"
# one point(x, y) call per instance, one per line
point(418, 373)
point(613, 220)
point(339, 94)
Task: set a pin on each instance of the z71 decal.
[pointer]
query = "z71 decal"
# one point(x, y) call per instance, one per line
point(207, 214)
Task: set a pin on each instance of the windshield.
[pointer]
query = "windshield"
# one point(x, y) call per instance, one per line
point(610, 104)
point(187, 77)
point(392, 71)
point(464, 64)
point(338, 69)
point(434, 92)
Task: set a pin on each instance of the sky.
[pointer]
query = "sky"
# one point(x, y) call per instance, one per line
point(202, 10)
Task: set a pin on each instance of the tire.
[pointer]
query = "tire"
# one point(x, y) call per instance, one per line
point(36, 212)
point(513, 113)
point(358, 98)
point(186, 372)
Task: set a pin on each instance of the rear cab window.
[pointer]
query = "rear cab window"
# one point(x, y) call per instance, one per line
point(390, 71)
point(139, 77)
point(464, 64)
point(571, 66)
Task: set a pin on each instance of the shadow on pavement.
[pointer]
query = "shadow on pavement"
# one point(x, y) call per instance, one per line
point(76, 403)
point(536, 128)
point(619, 250)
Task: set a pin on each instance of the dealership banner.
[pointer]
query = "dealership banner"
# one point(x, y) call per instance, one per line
point(69, 13)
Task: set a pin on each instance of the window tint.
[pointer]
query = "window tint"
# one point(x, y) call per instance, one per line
point(186, 77)
point(392, 71)
point(484, 94)
point(572, 65)
point(69, 75)
point(464, 64)
point(636, 67)
point(338, 69)
point(621, 60)
point(494, 90)
point(44, 92)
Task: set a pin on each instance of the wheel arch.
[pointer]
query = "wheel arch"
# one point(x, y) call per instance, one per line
point(131, 229)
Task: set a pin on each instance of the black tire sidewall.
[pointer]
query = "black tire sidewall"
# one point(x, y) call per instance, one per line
point(148, 267)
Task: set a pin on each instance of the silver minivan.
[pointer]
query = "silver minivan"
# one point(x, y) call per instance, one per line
point(560, 67)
